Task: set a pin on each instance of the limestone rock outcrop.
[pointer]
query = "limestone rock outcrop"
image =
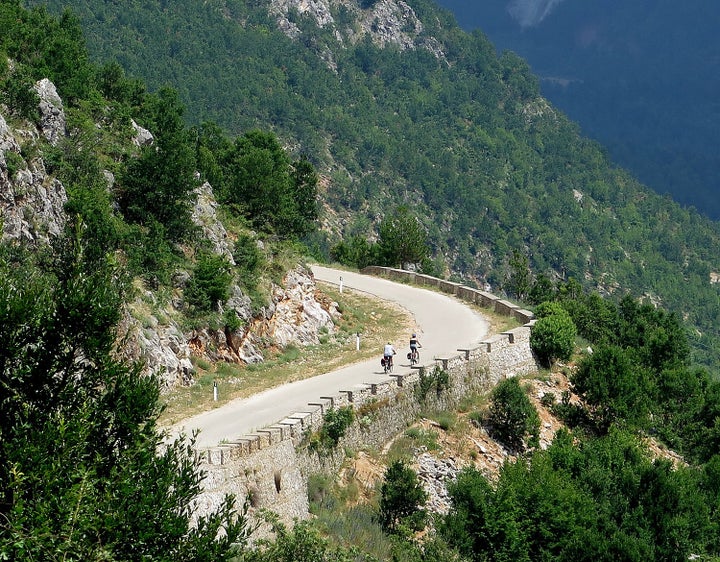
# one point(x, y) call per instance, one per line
point(31, 201)
point(386, 22)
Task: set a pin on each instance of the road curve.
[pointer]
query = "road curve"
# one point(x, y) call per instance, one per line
point(445, 325)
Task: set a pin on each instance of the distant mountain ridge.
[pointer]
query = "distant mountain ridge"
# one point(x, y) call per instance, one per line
point(642, 79)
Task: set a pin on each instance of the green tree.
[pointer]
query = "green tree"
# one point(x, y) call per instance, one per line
point(553, 336)
point(209, 284)
point(401, 499)
point(615, 389)
point(158, 185)
point(518, 282)
point(84, 473)
point(483, 524)
point(513, 420)
point(402, 239)
point(275, 195)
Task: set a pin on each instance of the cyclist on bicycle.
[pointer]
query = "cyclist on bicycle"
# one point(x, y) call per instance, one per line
point(388, 353)
point(414, 344)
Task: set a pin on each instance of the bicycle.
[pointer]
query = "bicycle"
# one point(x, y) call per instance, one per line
point(387, 364)
point(414, 356)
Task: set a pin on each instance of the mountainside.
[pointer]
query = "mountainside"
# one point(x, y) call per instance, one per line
point(639, 77)
point(124, 230)
point(395, 104)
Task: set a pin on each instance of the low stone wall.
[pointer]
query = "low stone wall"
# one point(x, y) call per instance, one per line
point(272, 466)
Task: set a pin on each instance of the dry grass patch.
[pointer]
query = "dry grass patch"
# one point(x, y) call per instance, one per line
point(377, 321)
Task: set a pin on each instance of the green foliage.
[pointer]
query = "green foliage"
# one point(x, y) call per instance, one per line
point(209, 284)
point(47, 47)
point(275, 195)
point(336, 421)
point(437, 380)
point(614, 388)
point(518, 282)
point(302, 542)
point(553, 337)
point(402, 239)
point(20, 97)
point(84, 474)
point(248, 260)
point(158, 185)
point(358, 252)
point(599, 500)
point(14, 162)
point(401, 499)
point(513, 420)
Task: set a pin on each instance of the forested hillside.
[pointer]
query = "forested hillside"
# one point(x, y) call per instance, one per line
point(447, 127)
point(640, 78)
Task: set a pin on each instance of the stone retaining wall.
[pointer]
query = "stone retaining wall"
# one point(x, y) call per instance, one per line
point(271, 466)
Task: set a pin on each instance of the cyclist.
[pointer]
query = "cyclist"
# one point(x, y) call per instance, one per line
point(388, 353)
point(414, 344)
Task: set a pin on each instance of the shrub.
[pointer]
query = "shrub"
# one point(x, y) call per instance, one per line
point(337, 421)
point(437, 380)
point(401, 498)
point(513, 419)
point(553, 337)
point(209, 284)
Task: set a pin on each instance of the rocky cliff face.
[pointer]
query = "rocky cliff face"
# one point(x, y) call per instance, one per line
point(386, 22)
point(32, 212)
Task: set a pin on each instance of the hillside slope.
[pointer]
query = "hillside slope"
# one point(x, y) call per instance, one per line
point(395, 104)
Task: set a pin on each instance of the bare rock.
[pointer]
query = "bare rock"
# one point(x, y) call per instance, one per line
point(142, 137)
point(52, 114)
point(204, 215)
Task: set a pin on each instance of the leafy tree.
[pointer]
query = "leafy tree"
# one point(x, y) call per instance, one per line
point(657, 336)
point(483, 524)
point(84, 474)
point(159, 184)
point(209, 283)
point(274, 195)
point(615, 388)
point(401, 499)
point(304, 194)
point(358, 252)
point(402, 239)
point(553, 337)
point(513, 420)
point(518, 283)
point(542, 290)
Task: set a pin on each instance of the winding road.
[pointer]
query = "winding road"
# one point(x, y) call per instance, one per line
point(445, 325)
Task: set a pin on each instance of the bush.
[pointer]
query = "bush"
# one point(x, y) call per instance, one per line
point(614, 387)
point(437, 380)
point(513, 419)
point(209, 284)
point(401, 498)
point(553, 337)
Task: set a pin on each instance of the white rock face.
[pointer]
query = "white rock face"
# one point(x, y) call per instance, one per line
point(52, 114)
point(298, 317)
point(204, 215)
point(387, 22)
point(142, 137)
point(31, 203)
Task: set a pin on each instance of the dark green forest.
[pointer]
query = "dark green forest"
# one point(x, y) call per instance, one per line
point(84, 472)
point(464, 140)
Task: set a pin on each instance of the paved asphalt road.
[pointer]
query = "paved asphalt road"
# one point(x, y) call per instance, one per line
point(445, 324)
